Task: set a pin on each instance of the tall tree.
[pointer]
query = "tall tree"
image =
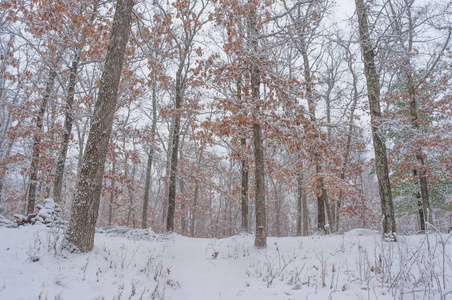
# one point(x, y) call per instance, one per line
point(83, 34)
point(36, 149)
point(84, 210)
point(260, 240)
point(147, 184)
point(373, 94)
point(190, 14)
point(405, 46)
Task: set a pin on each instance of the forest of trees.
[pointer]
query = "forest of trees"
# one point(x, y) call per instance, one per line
point(211, 117)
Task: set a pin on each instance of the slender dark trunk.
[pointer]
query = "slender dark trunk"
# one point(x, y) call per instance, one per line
point(322, 197)
point(244, 170)
point(193, 216)
point(305, 210)
point(260, 240)
point(112, 194)
point(147, 187)
point(168, 171)
point(346, 156)
point(299, 203)
point(183, 207)
point(330, 207)
point(174, 154)
point(147, 184)
point(36, 143)
point(3, 170)
point(85, 207)
point(67, 128)
point(278, 210)
point(373, 90)
point(130, 213)
point(421, 172)
point(421, 211)
point(302, 205)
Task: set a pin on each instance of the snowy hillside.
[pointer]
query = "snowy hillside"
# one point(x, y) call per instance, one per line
point(138, 264)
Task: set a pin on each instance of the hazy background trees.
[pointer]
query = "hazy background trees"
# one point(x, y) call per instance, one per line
point(206, 84)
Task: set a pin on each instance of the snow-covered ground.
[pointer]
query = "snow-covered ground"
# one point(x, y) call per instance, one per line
point(139, 264)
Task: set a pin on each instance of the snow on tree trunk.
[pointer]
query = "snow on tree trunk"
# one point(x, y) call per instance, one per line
point(373, 90)
point(147, 184)
point(260, 240)
point(84, 211)
point(67, 127)
point(36, 143)
point(174, 154)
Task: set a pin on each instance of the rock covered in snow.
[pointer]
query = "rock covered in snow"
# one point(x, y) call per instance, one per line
point(4, 222)
point(48, 214)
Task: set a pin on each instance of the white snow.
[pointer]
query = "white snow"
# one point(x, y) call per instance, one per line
point(139, 264)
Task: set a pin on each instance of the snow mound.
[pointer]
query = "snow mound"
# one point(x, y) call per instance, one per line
point(48, 214)
point(129, 233)
point(361, 232)
point(6, 222)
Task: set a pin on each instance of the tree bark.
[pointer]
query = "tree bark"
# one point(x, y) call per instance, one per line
point(112, 194)
point(147, 184)
point(260, 240)
point(130, 213)
point(244, 171)
point(193, 216)
point(278, 209)
point(299, 203)
point(346, 156)
point(422, 171)
point(174, 153)
point(244, 174)
point(67, 128)
point(373, 90)
point(36, 143)
point(302, 206)
point(84, 210)
point(183, 207)
point(322, 197)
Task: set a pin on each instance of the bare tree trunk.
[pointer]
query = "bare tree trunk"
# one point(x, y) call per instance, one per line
point(330, 207)
point(322, 197)
point(305, 210)
point(422, 171)
point(36, 143)
point(346, 156)
point(67, 128)
point(420, 209)
point(278, 210)
point(193, 216)
point(3, 171)
point(299, 203)
point(260, 240)
point(183, 207)
point(302, 206)
point(373, 90)
point(147, 184)
point(130, 213)
point(112, 194)
point(167, 171)
point(84, 211)
point(244, 171)
point(174, 154)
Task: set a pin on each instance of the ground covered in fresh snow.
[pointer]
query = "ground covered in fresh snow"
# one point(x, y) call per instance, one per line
point(138, 264)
